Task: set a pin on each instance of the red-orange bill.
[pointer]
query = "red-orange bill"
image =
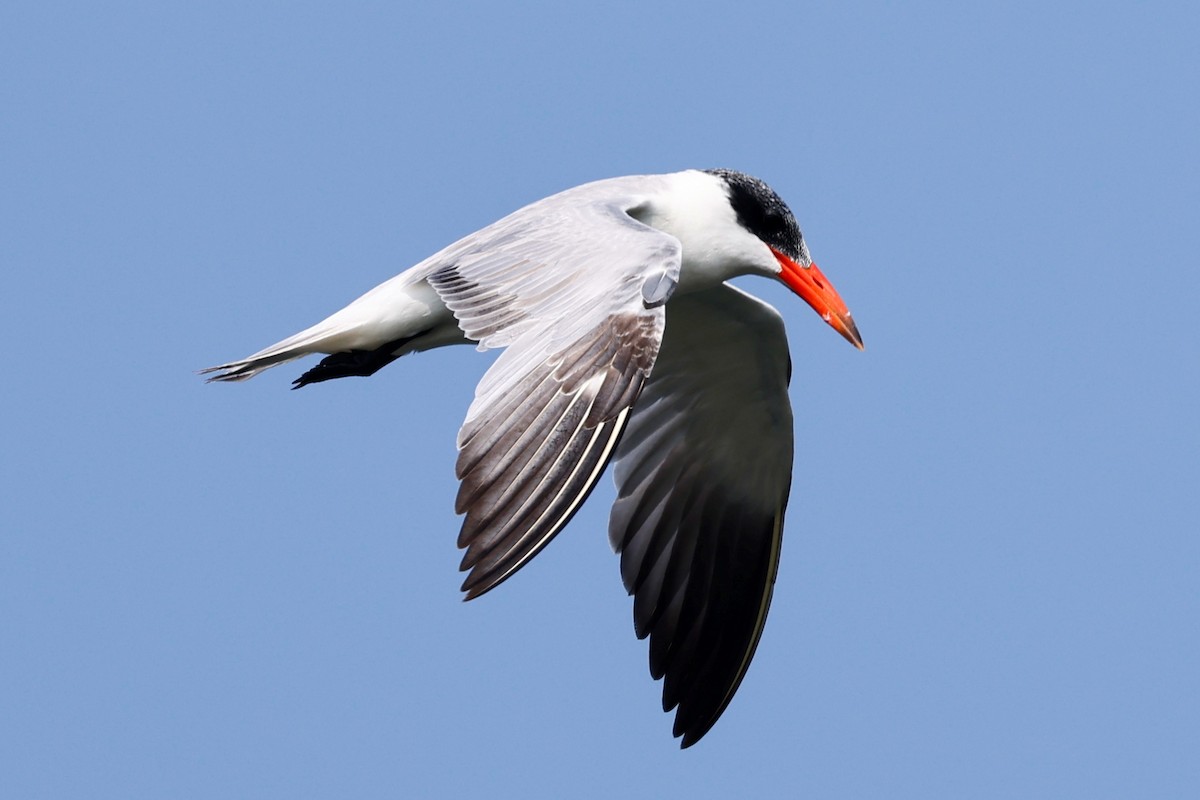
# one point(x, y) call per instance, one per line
point(818, 292)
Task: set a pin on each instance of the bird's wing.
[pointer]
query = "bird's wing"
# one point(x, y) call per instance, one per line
point(573, 289)
point(703, 474)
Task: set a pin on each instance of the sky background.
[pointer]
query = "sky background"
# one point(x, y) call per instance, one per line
point(988, 586)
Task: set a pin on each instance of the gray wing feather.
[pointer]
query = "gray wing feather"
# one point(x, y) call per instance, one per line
point(703, 474)
point(559, 285)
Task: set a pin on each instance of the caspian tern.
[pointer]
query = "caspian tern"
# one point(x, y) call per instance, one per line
point(621, 341)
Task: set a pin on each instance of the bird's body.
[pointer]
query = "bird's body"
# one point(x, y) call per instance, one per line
point(610, 302)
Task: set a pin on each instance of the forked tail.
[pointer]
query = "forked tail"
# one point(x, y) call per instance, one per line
point(339, 364)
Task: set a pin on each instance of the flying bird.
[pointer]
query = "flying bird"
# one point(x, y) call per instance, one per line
point(621, 342)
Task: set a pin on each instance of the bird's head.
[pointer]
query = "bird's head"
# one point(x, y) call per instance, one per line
point(762, 213)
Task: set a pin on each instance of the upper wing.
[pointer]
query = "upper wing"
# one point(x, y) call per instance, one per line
point(573, 288)
point(703, 474)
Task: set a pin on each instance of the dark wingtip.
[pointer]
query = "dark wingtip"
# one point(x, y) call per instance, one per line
point(695, 733)
point(480, 580)
point(477, 585)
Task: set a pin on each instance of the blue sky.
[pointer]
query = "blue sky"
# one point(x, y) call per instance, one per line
point(989, 579)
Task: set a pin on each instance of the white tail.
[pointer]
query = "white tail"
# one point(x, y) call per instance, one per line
point(320, 338)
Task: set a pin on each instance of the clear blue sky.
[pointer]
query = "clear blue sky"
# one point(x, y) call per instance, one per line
point(989, 580)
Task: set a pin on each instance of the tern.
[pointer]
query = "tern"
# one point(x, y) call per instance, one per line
point(621, 342)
